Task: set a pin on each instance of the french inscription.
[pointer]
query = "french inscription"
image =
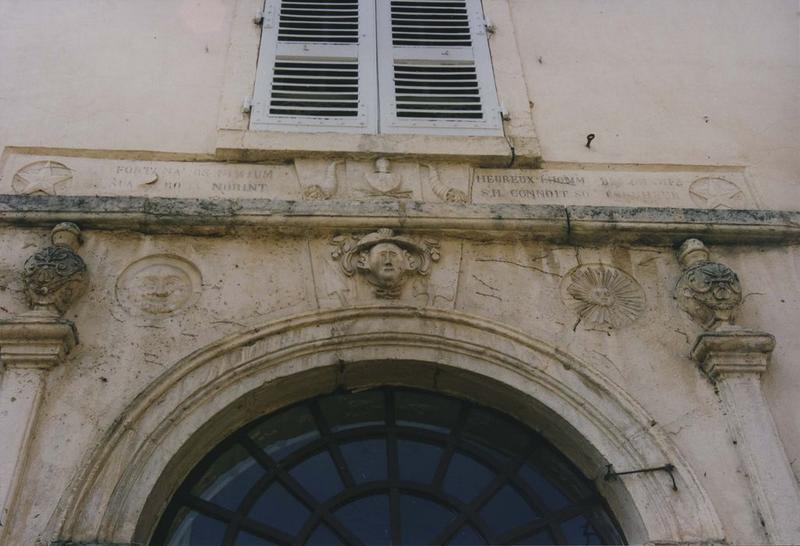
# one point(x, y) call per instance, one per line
point(614, 188)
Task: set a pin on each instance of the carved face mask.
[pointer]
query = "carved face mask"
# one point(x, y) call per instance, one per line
point(387, 262)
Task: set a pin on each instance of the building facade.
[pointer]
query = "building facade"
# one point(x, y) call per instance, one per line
point(580, 218)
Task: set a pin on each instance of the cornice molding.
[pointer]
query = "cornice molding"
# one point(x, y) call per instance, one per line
point(560, 224)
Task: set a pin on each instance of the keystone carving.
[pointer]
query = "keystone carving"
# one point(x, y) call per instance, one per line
point(56, 276)
point(708, 291)
point(384, 259)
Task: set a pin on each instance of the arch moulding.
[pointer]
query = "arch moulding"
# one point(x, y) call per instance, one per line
point(118, 494)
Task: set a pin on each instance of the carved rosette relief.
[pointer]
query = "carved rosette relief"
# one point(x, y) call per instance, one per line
point(603, 296)
point(160, 285)
point(41, 177)
point(56, 276)
point(384, 259)
point(710, 292)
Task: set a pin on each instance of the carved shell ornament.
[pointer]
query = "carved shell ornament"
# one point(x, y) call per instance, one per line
point(603, 296)
point(56, 276)
point(710, 292)
point(384, 259)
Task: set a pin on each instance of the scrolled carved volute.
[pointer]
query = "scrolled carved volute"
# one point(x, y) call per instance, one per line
point(56, 276)
point(708, 291)
point(384, 259)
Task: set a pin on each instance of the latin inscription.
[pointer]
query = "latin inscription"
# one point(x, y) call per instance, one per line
point(89, 176)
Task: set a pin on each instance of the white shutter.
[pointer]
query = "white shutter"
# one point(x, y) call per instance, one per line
point(316, 67)
point(435, 72)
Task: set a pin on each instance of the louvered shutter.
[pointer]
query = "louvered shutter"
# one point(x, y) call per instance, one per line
point(316, 68)
point(434, 68)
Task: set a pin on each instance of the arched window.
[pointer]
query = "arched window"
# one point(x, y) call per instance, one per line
point(385, 466)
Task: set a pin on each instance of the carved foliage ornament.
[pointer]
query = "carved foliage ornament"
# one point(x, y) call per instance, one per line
point(710, 292)
point(384, 259)
point(56, 276)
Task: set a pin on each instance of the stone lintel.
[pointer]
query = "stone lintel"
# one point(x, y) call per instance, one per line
point(733, 351)
point(31, 341)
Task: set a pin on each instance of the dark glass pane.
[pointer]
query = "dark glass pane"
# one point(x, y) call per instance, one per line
point(286, 432)
point(507, 510)
point(280, 509)
point(542, 537)
point(579, 531)
point(561, 473)
point(246, 539)
point(498, 436)
point(601, 521)
point(229, 478)
point(318, 475)
point(367, 519)
point(366, 459)
point(349, 410)
point(418, 461)
point(309, 490)
point(467, 536)
point(323, 536)
point(421, 520)
point(194, 528)
point(550, 495)
point(465, 478)
point(422, 410)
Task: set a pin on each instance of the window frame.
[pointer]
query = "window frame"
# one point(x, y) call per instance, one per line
point(236, 141)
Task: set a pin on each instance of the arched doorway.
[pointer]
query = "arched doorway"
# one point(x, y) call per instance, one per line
point(128, 479)
point(385, 466)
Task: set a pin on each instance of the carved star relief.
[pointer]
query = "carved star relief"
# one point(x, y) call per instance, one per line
point(41, 176)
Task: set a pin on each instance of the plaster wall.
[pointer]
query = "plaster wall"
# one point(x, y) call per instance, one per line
point(711, 83)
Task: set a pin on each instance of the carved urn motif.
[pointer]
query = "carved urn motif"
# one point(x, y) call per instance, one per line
point(56, 276)
point(708, 291)
point(384, 259)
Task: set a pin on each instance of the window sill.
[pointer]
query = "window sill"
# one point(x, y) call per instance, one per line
point(486, 151)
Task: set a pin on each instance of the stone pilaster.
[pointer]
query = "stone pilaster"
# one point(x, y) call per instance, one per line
point(735, 359)
point(30, 345)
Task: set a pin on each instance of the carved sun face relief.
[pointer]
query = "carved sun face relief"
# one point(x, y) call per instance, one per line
point(385, 260)
point(159, 285)
point(603, 296)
